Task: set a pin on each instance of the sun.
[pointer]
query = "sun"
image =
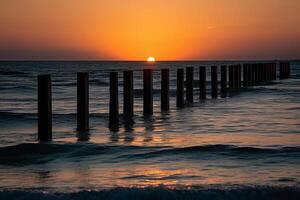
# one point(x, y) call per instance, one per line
point(150, 59)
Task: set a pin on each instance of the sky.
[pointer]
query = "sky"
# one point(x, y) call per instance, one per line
point(137, 29)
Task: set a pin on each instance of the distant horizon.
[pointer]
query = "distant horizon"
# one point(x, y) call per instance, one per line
point(186, 60)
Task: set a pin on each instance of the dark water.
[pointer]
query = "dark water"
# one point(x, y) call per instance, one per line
point(246, 146)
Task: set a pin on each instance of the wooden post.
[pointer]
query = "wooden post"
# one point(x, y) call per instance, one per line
point(44, 108)
point(223, 81)
point(255, 74)
point(245, 75)
point(251, 75)
point(165, 87)
point(114, 102)
point(214, 82)
point(128, 98)
point(180, 88)
point(231, 76)
point(260, 72)
point(82, 101)
point(202, 82)
point(288, 75)
point(274, 71)
point(281, 70)
point(236, 76)
point(148, 91)
point(189, 84)
point(239, 68)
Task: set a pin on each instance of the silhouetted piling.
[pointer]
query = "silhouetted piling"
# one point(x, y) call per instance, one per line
point(44, 108)
point(259, 73)
point(223, 81)
point(231, 76)
point(236, 76)
point(288, 73)
point(239, 78)
point(82, 101)
point(281, 70)
point(275, 71)
point(189, 84)
point(214, 82)
point(128, 96)
point(114, 102)
point(245, 75)
point(148, 91)
point(202, 82)
point(180, 88)
point(284, 70)
point(165, 87)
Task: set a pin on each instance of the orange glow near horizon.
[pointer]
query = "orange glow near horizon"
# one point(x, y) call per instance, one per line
point(133, 30)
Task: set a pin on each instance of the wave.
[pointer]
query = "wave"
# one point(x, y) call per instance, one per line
point(4, 116)
point(18, 88)
point(32, 153)
point(163, 193)
point(13, 73)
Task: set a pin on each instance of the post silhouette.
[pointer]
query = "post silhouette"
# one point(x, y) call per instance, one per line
point(236, 76)
point(202, 82)
point(288, 73)
point(82, 101)
point(189, 84)
point(245, 75)
point(281, 70)
point(165, 87)
point(231, 76)
point(128, 96)
point(44, 108)
point(180, 88)
point(114, 102)
point(148, 91)
point(223, 81)
point(214, 82)
point(239, 73)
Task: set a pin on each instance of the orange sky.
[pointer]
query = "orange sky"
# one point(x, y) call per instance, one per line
point(136, 29)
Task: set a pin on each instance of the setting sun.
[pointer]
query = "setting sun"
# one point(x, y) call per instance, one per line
point(150, 59)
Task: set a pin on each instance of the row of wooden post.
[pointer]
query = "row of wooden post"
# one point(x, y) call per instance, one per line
point(253, 74)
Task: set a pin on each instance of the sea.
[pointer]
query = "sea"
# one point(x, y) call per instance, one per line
point(244, 146)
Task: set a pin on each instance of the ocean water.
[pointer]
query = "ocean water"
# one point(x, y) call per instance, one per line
point(245, 146)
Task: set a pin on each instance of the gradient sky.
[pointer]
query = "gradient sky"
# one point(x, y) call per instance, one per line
point(136, 29)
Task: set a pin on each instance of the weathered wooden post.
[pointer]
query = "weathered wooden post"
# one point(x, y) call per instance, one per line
point(251, 75)
point(148, 91)
point(165, 87)
point(239, 68)
point(214, 82)
point(231, 76)
point(128, 96)
point(189, 84)
point(282, 70)
point(266, 72)
point(259, 70)
point(44, 108)
point(223, 81)
point(180, 88)
point(245, 75)
point(114, 102)
point(288, 75)
point(82, 101)
point(202, 82)
point(255, 74)
point(236, 76)
point(274, 71)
